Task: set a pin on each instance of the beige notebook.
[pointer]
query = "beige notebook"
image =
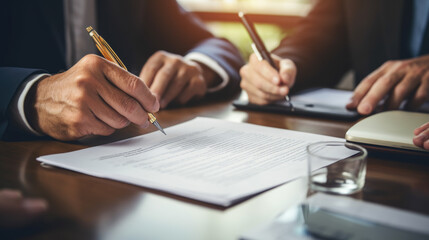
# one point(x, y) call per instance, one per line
point(389, 129)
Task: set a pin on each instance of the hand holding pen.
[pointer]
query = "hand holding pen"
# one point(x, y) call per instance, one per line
point(266, 78)
point(91, 98)
point(110, 55)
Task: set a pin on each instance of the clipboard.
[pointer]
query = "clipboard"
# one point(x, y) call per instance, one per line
point(316, 102)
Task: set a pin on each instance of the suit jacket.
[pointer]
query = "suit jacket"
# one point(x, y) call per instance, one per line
point(33, 40)
point(339, 35)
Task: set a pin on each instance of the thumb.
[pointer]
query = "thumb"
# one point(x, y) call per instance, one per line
point(287, 72)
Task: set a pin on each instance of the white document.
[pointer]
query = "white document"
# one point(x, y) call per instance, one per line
point(210, 160)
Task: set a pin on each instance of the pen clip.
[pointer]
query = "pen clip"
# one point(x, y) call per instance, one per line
point(257, 53)
point(105, 48)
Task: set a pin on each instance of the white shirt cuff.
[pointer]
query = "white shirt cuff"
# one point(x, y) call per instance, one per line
point(213, 65)
point(19, 100)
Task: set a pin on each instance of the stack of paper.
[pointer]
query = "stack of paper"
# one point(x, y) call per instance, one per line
point(214, 161)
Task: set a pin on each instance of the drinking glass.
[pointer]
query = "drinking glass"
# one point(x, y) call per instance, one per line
point(336, 167)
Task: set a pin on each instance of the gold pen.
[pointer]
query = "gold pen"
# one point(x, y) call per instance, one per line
point(110, 55)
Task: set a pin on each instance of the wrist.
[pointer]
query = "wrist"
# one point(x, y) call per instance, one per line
point(210, 77)
point(18, 109)
point(30, 106)
point(215, 77)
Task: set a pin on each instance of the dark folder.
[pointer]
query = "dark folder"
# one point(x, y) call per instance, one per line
point(320, 102)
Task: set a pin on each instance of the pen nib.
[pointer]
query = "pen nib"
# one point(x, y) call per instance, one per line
point(159, 127)
point(290, 103)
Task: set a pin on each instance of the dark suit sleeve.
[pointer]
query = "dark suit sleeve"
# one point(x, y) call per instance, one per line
point(10, 80)
point(180, 32)
point(318, 46)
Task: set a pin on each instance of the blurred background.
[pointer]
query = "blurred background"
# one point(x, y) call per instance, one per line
point(274, 19)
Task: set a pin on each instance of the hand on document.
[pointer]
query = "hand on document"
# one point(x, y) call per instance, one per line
point(421, 138)
point(16, 211)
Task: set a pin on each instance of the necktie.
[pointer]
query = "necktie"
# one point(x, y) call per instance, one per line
point(424, 48)
point(415, 35)
point(79, 14)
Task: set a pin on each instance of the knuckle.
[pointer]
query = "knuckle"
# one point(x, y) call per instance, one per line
point(77, 124)
point(388, 63)
point(82, 77)
point(403, 64)
point(265, 69)
point(80, 93)
point(79, 98)
point(400, 90)
point(366, 81)
point(373, 101)
point(288, 61)
point(287, 65)
point(181, 80)
point(387, 80)
point(106, 131)
point(243, 84)
point(110, 131)
point(264, 96)
point(151, 102)
point(399, 64)
point(92, 60)
point(253, 58)
point(151, 68)
point(160, 54)
point(358, 94)
point(193, 83)
point(275, 90)
point(73, 134)
point(175, 61)
point(197, 83)
point(120, 122)
point(166, 73)
point(420, 70)
point(422, 96)
point(193, 70)
point(243, 70)
point(133, 84)
point(129, 105)
point(395, 76)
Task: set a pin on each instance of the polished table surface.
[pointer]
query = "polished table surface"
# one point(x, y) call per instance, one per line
point(85, 207)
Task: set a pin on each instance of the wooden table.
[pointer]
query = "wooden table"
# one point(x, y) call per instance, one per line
point(85, 207)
